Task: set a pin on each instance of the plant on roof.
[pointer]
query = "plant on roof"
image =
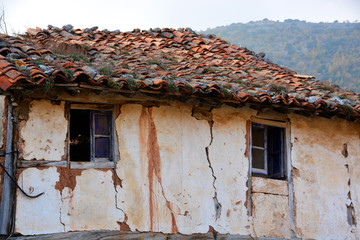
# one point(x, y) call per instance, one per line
point(134, 74)
point(105, 71)
point(208, 70)
point(188, 86)
point(257, 69)
point(245, 70)
point(78, 58)
point(342, 97)
point(277, 88)
point(257, 85)
point(158, 62)
point(132, 84)
point(124, 53)
point(226, 93)
point(227, 87)
point(348, 110)
point(242, 83)
point(69, 73)
point(114, 85)
point(49, 84)
point(173, 88)
point(38, 61)
point(86, 47)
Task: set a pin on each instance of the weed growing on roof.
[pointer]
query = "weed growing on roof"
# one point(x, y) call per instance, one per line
point(277, 88)
point(134, 74)
point(86, 47)
point(49, 84)
point(246, 71)
point(69, 73)
point(227, 86)
point(348, 110)
point(257, 85)
point(142, 78)
point(173, 88)
point(242, 83)
point(132, 84)
point(114, 85)
point(240, 59)
point(342, 97)
point(188, 86)
point(208, 70)
point(160, 63)
point(113, 47)
point(78, 58)
point(226, 93)
point(124, 53)
point(257, 69)
point(75, 58)
point(38, 61)
point(105, 71)
point(326, 88)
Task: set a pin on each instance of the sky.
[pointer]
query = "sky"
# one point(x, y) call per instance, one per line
point(145, 14)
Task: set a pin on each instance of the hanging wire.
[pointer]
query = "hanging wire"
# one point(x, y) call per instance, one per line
point(13, 180)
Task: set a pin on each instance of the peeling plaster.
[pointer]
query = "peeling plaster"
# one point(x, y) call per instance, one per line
point(43, 135)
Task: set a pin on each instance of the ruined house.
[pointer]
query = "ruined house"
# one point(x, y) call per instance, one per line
point(165, 134)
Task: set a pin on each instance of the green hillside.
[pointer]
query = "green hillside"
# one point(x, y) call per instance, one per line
point(328, 51)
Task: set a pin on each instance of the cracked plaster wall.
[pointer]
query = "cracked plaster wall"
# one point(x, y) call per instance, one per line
point(321, 177)
point(167, 181)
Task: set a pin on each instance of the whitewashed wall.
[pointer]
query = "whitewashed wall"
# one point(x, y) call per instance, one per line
point(166, 181)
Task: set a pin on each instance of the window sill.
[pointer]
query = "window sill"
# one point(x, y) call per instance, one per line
point(86, 165)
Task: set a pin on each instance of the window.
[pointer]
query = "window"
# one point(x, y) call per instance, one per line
point(268, 151)
point(90, 135)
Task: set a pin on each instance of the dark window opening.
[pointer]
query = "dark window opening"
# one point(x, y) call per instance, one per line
point(90, 135)
point(268, 151)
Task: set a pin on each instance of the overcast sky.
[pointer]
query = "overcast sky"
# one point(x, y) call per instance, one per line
point(143, 14)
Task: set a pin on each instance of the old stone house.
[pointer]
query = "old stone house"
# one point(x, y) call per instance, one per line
point(169, 134)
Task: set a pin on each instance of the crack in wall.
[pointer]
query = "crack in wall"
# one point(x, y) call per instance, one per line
point(350, 209)
point(60, 211)
point(217, 204)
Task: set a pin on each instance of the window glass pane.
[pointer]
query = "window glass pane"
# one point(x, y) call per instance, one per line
point(102, 148)
point(258, 158)
point(275, 152)
point(257, 135)
point(102, 124)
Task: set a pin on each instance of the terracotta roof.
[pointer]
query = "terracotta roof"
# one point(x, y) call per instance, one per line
point(178, 62)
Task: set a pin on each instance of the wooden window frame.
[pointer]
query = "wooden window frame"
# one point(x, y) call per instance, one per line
point(267, 123)
point(95, 162)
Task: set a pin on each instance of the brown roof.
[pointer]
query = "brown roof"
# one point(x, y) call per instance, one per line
point(178, 62)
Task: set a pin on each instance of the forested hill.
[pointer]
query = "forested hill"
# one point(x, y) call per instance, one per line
point(328, 51)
